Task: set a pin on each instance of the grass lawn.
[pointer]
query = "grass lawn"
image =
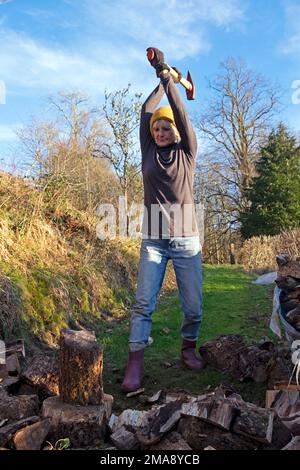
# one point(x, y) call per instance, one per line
point(231, 304)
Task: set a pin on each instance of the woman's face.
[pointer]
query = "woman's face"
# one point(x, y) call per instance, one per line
point(163, 133)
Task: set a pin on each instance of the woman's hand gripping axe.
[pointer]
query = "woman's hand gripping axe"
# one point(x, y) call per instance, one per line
point(187, 83)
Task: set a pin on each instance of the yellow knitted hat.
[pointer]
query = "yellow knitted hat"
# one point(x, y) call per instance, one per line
point(164, 112)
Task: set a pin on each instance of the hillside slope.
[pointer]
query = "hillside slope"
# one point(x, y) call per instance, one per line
point(54, 271)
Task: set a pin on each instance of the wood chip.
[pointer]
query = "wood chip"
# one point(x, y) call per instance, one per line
point(154, 397)
point(137, 392)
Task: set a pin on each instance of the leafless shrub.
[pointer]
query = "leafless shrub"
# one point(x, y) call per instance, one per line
point(261, 252)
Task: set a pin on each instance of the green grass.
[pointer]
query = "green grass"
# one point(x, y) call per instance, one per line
point(231, 304)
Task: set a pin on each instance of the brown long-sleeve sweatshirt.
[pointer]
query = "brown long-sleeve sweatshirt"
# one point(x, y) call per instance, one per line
point(168, 173)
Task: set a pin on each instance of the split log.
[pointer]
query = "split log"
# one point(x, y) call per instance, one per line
point(287, 282)
point(280, 437)
point(164, 418)
point(291, 294)
point(80, 368)
point(137, 419)
point(124, 439)
point(259, 424)
point(253, 363)
point(16, 346)
point(294, 444)
point(270, 398)
point(279, 370)
point(11, 385)
point(292, 422)
point(291, 268)
point(113, 423)
point(283, 401)
point(171, 442)
point(3, 372)
point(254, 422)
point(289, 305)
point(283, 259)
point(42, 374)
point(222, 353)
point(31, 437)
point(230, 353)
point(200, 434)
point(13, 365)
point(217, 412)
point(16, 408)
point(7, 432)
point(293, 317)
point(85, 426)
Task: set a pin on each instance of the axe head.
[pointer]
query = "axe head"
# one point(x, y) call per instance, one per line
point(150, 54)
point(190, 94)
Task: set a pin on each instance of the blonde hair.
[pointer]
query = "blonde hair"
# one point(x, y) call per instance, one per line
point(171, 124)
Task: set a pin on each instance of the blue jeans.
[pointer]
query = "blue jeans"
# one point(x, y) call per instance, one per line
point(185, 253)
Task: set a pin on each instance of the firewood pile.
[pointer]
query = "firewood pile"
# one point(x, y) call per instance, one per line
point(288, 280)
point(52, 399)
point(220, 420)
point(48, 399)
point(261, 362)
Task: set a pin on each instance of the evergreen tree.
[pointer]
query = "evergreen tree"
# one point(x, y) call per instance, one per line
point(274, 196)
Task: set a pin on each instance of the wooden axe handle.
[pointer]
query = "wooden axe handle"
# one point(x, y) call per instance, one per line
point(183, 81)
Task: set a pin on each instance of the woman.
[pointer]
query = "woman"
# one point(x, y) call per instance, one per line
point(169, 147)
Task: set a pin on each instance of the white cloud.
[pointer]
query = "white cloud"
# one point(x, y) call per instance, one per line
point(108, 49)
point(7, 133)
point(30, 65)
point(291, 44)
point(177, 27)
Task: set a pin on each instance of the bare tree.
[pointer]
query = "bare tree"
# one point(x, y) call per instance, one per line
point(218, 231)
point(234, 125)
point(60, 153)
point(122, 113)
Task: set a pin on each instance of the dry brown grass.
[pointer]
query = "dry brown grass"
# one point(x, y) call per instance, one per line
point(10, 308)
point(55, 271)
point(261, 252)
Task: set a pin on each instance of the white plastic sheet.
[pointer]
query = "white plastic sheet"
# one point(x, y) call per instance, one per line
point(266, 279)
point(277, 320)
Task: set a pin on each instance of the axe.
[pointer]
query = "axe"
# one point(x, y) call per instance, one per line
point(187, 83)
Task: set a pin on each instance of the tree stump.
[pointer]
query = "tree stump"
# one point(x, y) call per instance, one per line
point(80, 368)
point(85, 426)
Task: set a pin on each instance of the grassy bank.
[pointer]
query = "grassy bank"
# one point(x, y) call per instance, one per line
point(54, 271)
point(231, 305)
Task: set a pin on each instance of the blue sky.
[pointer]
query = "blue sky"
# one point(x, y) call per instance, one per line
point(90, 45)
